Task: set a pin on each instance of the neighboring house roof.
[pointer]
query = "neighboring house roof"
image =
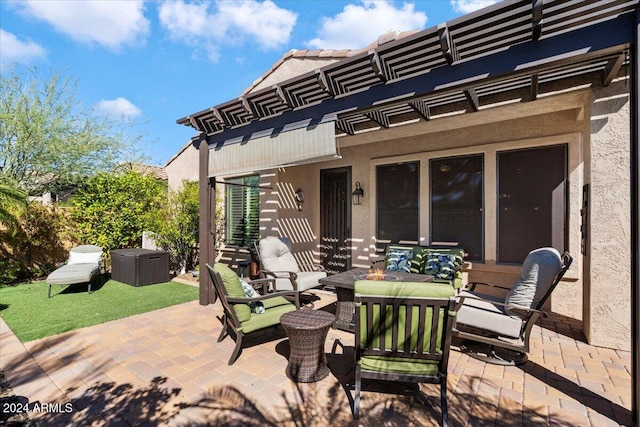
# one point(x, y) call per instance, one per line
point(325, 54)
point(157, 172)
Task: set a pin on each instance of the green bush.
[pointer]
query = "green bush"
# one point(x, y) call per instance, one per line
point(113, 210)
point(176, 229)
point(33, 245)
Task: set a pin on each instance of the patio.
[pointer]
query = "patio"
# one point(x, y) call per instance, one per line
point(165, 368)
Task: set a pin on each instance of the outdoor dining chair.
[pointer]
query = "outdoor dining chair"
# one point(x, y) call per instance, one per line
point(403, 333)
point(505, 322)
point(240, 311)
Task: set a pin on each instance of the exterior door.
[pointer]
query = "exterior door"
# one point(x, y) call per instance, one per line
point(335, 219)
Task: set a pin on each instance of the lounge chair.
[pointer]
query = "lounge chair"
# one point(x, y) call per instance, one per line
point(81, 267)
point(505, 323)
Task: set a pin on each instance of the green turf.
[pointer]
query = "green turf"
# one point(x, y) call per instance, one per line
point(31, 315)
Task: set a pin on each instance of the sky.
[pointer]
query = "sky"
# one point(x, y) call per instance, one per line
point(154, 62)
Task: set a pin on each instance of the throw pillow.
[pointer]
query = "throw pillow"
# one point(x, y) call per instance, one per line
point(233, 287)
point(442, 266)
point(399, 260)
point(84, 258)
point(257, 307)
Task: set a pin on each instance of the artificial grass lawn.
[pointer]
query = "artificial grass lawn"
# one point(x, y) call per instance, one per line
point(31, 315)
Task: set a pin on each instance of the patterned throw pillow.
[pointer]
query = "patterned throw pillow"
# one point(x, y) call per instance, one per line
point(443, 266)
point(399, 260)
point(257, 307)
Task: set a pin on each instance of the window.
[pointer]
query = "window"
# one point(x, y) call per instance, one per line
point(457, 203)
point(242, 210)
point(531, 201)
point(398, 187)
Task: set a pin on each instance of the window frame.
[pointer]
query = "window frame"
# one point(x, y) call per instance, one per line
point(566, 199)
point(377, 167)
point(482, 156)
point(240, 182)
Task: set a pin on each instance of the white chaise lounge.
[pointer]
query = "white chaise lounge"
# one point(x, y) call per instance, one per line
point(83, 264)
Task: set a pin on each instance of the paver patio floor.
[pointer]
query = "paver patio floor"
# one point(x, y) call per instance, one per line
point(165, 368)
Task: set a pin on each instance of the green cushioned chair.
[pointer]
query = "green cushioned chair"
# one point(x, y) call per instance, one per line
point(403, 333)
point(237, 306)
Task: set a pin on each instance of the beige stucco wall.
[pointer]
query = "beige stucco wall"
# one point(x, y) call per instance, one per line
point(607, 307)
point(182, 166)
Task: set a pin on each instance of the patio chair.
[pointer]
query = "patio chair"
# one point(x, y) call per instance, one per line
point(403, 333)
point(80, 268)
point(277, 262)
point(505, 323)
point(240, 313)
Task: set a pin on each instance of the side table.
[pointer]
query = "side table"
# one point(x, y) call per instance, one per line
point(307, 331)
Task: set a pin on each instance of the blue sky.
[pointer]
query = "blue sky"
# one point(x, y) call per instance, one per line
point(157, 61)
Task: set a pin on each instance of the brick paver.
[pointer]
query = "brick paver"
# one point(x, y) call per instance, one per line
point(166, 368)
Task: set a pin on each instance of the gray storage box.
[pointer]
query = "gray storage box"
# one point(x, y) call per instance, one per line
point(139, 267)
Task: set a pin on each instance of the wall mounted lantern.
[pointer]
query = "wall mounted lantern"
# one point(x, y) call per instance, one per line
point(356, 196)
point(299, 198)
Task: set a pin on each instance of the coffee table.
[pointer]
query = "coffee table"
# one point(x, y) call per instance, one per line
point(343, 283)
point(307, 331)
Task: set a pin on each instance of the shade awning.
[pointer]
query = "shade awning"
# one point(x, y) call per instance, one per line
point(295, 147)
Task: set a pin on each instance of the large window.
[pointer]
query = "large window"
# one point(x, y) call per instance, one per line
point(242, 210)
point(398, 188)
point(531, 201)
point(457, 203)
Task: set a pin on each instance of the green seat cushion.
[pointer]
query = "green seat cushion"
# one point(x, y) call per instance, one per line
point(233, 286)
point(399, 366)
point(270, 317)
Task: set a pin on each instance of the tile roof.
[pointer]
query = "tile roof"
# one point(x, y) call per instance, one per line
point(328, 54)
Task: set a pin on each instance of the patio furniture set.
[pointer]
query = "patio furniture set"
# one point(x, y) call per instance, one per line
point(403, 321)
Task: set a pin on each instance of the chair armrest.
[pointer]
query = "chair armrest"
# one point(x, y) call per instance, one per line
point(263, 284)
point(246, 300)
point(274, 274)
point(471, 286)
point(313, 267)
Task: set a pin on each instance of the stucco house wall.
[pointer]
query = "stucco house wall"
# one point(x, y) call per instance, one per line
point(182, 166)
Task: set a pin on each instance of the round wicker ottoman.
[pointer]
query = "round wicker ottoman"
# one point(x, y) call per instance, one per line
point(307, 330)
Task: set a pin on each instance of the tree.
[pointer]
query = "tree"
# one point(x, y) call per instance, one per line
point(49, 141)
point(113, 210)
point(176, 229)
point(12, 200)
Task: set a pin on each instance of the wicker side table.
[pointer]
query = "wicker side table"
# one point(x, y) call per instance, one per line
point(307, 331)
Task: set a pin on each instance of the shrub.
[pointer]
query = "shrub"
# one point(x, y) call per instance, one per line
point(113, 210)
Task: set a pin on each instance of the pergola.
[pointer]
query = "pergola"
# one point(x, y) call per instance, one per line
point(507, 53)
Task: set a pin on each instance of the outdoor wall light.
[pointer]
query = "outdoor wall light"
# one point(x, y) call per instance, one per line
point(299, 198)
point(356, 196)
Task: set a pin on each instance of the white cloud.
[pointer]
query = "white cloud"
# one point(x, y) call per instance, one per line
point(468, 6)
point(360, 24)
point(210, 26)
point(118, 108)
point(15, 50)
point(112, 24)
